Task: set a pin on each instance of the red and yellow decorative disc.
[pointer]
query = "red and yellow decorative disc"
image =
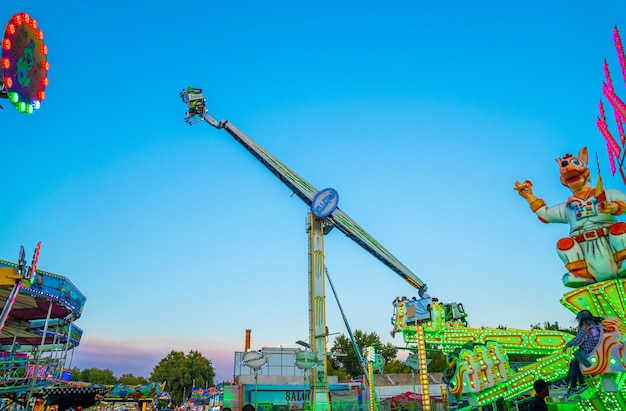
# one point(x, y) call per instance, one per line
point(24, 63)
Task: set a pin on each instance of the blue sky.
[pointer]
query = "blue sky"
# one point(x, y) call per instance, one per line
point(422, 115)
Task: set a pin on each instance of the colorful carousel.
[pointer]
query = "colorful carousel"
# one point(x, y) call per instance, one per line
point(37, 331)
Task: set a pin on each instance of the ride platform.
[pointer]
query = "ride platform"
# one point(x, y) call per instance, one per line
point(483, 374)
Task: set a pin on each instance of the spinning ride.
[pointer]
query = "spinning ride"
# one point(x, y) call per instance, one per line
point(38, 331)
point(23, 64)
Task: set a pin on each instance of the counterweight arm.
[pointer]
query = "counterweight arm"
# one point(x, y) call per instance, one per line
point(306, 192)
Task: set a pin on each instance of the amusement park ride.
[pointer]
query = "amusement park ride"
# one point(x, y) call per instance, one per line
point(482, 372)
point(37, 326)
point(323, 217)
point(23, 64)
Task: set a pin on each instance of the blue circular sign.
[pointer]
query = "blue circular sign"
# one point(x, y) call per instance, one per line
point(324, 202)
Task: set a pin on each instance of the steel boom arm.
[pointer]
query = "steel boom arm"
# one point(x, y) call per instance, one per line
point(306, 192)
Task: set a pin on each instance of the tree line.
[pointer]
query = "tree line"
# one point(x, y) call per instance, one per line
point(182, 371)
point(178, 370)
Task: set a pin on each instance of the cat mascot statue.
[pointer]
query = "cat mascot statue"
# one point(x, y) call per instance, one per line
point(596, 247)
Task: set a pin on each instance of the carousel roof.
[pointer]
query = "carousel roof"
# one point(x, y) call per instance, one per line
point(47, 296)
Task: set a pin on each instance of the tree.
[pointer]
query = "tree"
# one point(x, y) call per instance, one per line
point(438, 363)
point(94, 376)
point(182, 371)
point(130, 379)
point(339, 372)
point(350, 362)
point(396, 367)
point(547, 325)
point(75, 375)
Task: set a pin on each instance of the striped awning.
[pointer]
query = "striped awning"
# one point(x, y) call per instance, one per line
point(67, 394)
point(64, 389)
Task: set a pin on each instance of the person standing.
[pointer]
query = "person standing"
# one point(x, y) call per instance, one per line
point(542, 389)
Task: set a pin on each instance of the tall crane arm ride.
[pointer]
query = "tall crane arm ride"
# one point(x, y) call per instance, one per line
point(197, 111)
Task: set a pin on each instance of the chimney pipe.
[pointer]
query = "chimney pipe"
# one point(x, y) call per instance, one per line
point(247, 347)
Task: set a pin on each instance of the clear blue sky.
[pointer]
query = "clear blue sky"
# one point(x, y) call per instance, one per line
point(422, 115)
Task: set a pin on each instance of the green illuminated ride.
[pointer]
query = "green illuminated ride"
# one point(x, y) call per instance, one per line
point(483, 373)
point(594, 254)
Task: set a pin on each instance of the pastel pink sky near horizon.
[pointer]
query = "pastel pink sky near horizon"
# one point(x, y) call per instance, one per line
point(139, 356)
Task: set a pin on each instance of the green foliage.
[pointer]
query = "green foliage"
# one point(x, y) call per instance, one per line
point(396, 367)
point(438, 363)
point(94, 376)
point(350, 363)
point(340, 372)
point(547, 325)
point(130, 379)
point(181, 372)
point(75, 376)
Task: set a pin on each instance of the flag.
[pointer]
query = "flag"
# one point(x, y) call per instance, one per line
point(600, 194)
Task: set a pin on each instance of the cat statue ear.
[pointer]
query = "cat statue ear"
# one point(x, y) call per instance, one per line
point(583, 155)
